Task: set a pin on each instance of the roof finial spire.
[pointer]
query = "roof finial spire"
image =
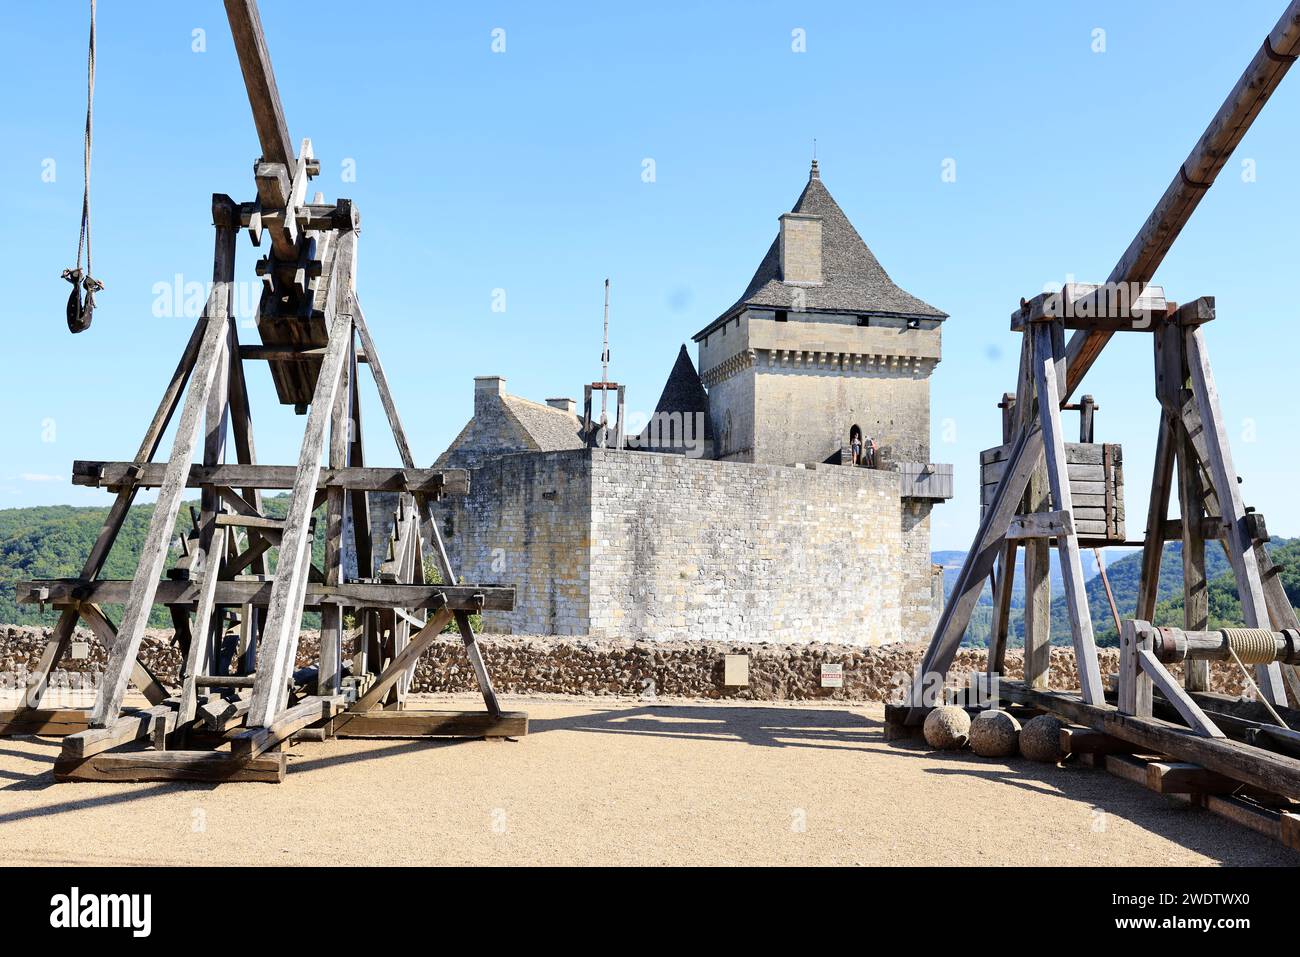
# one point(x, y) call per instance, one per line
point(814, 173)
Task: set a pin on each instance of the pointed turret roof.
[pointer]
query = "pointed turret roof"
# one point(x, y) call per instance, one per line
point(853, 279)
point(683, 393)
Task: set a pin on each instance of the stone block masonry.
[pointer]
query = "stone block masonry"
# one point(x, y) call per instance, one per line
point(664, 547)
point(719, 551)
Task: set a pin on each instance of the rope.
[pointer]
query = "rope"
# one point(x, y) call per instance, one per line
point(79, 311)
point(1254, 646)
point(1110, 595)
point(1257, 647)
point(1259, 695)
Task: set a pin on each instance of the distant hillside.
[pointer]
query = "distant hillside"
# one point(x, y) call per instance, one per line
point(53, 542)
point(1225, 607)
point(952, 562)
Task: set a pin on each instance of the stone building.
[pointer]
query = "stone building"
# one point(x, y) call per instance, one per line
point(737, 513)
point(821, 343)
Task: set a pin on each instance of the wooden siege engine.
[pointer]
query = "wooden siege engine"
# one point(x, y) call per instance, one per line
point(1038, 491)
point(238, 591)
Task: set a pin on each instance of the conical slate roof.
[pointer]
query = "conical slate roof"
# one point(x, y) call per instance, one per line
point(683, 398)
point(683, 392)
point(852, 278)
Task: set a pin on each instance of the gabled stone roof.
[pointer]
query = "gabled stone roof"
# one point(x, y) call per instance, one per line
point(504, 424)
point(551, 430)
point(853, 279)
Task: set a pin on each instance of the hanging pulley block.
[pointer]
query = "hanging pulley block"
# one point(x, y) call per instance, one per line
point(81, 301)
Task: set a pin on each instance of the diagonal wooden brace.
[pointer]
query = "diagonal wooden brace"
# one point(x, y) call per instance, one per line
point(279, 643)
point(153, 555)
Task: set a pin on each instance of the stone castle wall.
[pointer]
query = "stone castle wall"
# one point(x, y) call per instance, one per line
point(663, 547)
point(923, 596)
point(527, 522)
point(710, 550)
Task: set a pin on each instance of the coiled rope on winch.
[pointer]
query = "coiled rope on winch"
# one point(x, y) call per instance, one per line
point(1254, 646)
point(80, 309)
point(1257, 647)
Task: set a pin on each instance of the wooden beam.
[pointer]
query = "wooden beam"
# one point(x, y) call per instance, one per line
point(1195, 313)
point(470, 598)
point(1270, 772)
point(435, 483)
point(419, 643)
point(1182, 777)
point(1196, 592)
point(1136, 690)
point(331, 628)
point(153, 689)
point(1158, 512)
point(220, 714)
point(1195, 176)
point(1041, 525)
point(1076, 597)
point(283, 617)
point(61, 637)
point(1025, 454)
point(54, 722)
point(217, 766)
point(259, 80)
point(1239, 543)
point(252, 741)
point(1175, 695)
point(1076, 740)
point(1002, 588)
point(154, 552)
point(1094, 306)
point(432, 535)
point(130, 726)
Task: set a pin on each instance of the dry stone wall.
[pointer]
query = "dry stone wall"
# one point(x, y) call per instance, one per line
point(600, 667)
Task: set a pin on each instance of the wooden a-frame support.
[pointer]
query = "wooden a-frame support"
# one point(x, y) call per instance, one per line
point(210, 381)
point(1192, 452)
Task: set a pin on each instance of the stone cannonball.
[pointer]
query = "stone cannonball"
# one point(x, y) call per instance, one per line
point(947, 728)
point(1040, 740)
point(994, 734)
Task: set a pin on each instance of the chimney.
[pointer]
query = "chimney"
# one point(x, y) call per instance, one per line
point(488, 390)
point(564, 405)
point(801, 249)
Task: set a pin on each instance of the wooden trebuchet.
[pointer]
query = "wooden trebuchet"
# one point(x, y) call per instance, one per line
point(244, 575)
point(1192, 440)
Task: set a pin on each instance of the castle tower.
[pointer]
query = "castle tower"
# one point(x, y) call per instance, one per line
point(822, 346)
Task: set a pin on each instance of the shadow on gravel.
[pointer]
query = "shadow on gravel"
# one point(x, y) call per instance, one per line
point(765, 727)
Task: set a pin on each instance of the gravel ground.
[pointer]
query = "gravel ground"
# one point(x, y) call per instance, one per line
point(623, 782)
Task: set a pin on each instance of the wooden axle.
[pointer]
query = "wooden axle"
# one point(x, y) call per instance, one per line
point(1174, 644)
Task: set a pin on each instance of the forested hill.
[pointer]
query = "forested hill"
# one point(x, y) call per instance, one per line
point(1225, 607)
point(53, 542)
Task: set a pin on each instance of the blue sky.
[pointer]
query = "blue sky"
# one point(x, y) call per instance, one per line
point(522, 171)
